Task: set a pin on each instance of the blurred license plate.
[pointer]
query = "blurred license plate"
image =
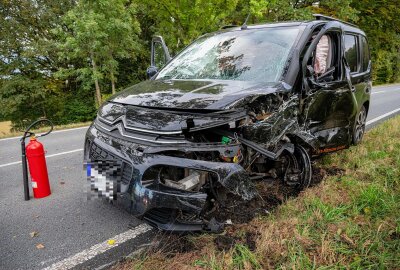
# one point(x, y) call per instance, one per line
point(103, 179)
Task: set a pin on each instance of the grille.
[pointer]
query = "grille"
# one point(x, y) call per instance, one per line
point(98, 153)
point(118, 130)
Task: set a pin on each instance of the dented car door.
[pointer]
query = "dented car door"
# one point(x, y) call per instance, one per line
point(329, 103)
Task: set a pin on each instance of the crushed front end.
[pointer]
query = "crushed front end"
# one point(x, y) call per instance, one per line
point(178, 165)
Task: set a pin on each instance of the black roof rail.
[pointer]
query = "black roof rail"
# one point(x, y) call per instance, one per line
point(229, 26)
point(320, 17)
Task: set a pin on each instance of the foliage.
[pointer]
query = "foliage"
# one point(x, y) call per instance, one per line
point(29, 59)
point(57, 58)
point(381, 22)
point(100, 32)
point(182, 21)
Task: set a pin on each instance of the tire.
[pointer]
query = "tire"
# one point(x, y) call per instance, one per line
point(359, 126)
point(298, 165)
point(303, 158)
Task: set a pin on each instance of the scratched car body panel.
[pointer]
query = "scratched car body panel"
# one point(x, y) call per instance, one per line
point(216, 119)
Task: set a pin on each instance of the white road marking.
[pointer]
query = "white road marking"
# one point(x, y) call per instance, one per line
point(9, 164)
point(56, 131)
point(380, 92)
point(47, 156)
point(386, 86)
point(385, 91)
point(98, 249)
point(382, 116)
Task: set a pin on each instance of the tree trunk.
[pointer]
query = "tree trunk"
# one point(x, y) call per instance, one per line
point(96, 82)
point(112, 82)
point(98, 93)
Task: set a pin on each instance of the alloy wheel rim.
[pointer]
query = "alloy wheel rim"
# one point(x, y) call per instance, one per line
point(360, 125)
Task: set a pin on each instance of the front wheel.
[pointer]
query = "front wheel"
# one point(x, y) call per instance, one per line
point(297, 168)
point(359, 126)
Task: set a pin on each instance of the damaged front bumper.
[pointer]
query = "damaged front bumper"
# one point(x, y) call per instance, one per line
point(145, 195)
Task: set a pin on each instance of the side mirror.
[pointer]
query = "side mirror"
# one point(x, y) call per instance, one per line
point(159, 52)
point(151, 71)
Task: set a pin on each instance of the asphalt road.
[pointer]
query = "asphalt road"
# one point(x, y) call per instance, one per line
point(74, 231)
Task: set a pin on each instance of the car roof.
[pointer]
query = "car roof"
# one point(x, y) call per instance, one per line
point(347, 27)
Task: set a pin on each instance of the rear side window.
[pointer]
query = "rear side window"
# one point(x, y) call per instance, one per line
point(350, 52)
point(365, 53)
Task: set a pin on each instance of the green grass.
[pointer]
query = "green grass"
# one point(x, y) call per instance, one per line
point(243, 257)
point(349, 221)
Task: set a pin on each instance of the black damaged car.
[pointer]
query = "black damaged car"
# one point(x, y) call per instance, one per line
point(235, 107)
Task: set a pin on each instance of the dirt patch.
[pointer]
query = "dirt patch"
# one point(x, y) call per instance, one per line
point(232, 209)
point(225, 242)
point(236, 235)
point(334, 170)
point(172, 244)
point(251, 240)
point(238, 213)
point(394, 236)
point(319, 173)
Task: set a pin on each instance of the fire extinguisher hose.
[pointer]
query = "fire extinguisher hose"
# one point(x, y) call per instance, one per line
point(27, 133)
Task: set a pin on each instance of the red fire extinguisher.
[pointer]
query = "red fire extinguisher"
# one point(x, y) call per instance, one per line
point(38, 169)
point(35, 154)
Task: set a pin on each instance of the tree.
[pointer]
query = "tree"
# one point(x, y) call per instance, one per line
point(60, 59)
point(182, 21)
point(381, 22)
point(100, 31)
point(28, 58)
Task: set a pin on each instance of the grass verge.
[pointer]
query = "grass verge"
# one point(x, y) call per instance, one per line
point(5, 128)
point(349, 221)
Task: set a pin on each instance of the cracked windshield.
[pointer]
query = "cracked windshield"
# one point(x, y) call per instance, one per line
point(250, 55)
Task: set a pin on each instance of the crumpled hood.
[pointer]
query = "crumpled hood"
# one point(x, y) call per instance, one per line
point(192, 94)
point(163, 120)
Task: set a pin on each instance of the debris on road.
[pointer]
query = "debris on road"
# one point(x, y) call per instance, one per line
point(40, 246)
point(33, 234)
point(111, 242)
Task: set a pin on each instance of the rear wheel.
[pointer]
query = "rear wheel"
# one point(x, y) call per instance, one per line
point(359, 126)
